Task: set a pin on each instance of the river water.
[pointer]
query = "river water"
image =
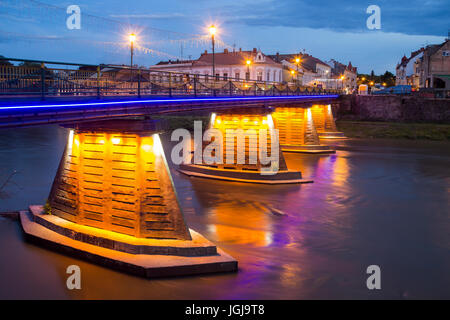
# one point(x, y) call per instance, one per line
point(382, 202)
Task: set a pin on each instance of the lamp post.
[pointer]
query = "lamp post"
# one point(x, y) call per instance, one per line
point(248, 62)
point(292, 73)
point(297, 62)
point(132, 39)
point(212, 32)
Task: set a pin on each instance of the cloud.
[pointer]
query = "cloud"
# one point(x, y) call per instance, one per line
point(149, 16)
point(409, 17)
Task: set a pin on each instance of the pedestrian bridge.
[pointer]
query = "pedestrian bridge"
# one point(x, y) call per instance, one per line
point(44, 92)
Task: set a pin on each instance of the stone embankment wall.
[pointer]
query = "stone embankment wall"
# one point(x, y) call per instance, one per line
point(393, 108)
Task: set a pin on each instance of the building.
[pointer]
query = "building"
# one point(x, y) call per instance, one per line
point(310, 71)
point(407, 71)
point(344, 76)
point(228, 65)
point(434, 66)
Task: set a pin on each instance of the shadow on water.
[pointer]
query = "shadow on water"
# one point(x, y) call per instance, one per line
point(373, 202)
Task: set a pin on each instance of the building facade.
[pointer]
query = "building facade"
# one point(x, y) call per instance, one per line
point(229, 65)
point(345, 76)
point(407, 71)
point(310, 71)
point(434, 66)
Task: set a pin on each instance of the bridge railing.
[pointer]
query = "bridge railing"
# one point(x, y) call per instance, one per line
point(45, 79)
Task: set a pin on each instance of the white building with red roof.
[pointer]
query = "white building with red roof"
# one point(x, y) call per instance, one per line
point(228, 65)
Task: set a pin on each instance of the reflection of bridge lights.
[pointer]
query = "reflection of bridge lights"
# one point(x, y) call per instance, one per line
point(101, 141)
point(115, 140)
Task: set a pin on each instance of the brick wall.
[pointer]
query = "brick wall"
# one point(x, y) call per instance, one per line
point(393, 108)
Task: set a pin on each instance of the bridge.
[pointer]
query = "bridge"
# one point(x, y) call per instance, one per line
point(39, 92)
point(113, 188)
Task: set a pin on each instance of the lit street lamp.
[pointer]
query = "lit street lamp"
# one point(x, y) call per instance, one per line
point(297, 62)
point(248, 62)
point(132, 39)
point(212, 32)
point(342, 81)
point(292, 73)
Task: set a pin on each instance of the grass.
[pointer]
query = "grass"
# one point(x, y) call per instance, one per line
point(352, 129)
point(186, 122)
point(391, 130)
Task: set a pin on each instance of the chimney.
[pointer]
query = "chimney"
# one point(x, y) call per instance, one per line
point(254, 50)
point(225, 50)
point(206, 52)
point(240, 49)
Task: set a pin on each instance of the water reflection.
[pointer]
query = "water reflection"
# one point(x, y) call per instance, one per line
point(381, 202)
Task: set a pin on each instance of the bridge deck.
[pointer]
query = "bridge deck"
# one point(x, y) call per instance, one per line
point(25, 112)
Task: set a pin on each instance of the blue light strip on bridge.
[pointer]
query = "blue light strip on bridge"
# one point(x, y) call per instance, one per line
point(152, 101)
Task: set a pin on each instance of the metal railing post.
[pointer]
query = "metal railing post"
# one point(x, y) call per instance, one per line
point(195, 86)
point(231, 88)
point(139, 83)
point(98, 82)
point(170, 84)
point(42, 82)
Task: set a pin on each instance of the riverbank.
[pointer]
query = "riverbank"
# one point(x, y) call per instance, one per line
point(352, 129)
point(392, 130)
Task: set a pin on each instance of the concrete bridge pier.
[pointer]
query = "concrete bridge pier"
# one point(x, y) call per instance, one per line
point(239, 153)
point(297, 131)
point(324, 122)
point(113, 202)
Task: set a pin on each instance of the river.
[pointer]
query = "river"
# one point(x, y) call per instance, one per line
point(382, 202)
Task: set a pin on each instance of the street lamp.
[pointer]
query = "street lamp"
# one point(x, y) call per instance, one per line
point(292, 73)
point(132, 38)
point(297, 62)
point(248, 62)
point(212, 32)
point(342, 81)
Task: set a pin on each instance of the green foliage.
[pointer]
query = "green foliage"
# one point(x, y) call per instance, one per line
point(390, 130)
point(186, 122)
point(387, 77)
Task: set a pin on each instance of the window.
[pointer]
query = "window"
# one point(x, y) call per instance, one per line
point(225, 76)
point(237, 75)
point(259, 76)
point(217, 76)
point(206, 76)
point(247, 76)
point(446, 53)
point(268, 76)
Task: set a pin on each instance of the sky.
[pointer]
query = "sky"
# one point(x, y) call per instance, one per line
point(171, 29)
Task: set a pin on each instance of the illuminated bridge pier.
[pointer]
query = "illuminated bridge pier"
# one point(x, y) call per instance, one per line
point(324, 122)
point(297, 132)
point(239, 153)
point(113, 202)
